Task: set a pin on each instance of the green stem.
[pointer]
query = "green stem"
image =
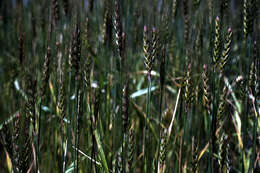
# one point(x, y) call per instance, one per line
point(77, 127)
point(146, 141)
point(38, 140)
point(245, 116)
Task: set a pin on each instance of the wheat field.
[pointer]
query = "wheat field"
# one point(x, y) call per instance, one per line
point(125, 86)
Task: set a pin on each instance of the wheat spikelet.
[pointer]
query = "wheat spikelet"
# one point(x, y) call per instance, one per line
point(61, 97)
point(188, 93)
point(125, 105)
point(130, 152)
point(199, 43)
point(104, 29)
point(248, 16)
point(145, 43)
point(154, 44)
point(61, 110)
point(252, 78)
point(118, 30)
point(45, 72)
point(86, 36)
point(186, 20)
point(253, 72)
point(26, 151)
point(174, 8)
point(225, 53)
point(216, 50)
point(195, 155)
point(107, 25)
point(23, 136)
point(163, 151)
point(149, 49)
point(86, 73)
point(220, 148)
point(15, 142)
point(87, 69)
point(31, 99)
point(119, 167)
point(221, 107)
point(76, 50)
point(146, 49)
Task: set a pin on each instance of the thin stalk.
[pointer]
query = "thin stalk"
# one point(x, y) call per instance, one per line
point(247, 44)
point(38, 140)
point(210, 125)
point(70, 118)
point(70, 127)
point(146, 141)
point(79, 114)
point(210, 148)
point(89, 111)
point(114, 122)
point(187, 131)
point(212, 84)
point(183, 138)
point(92, 135)
point(75, 140)
point(63, 152)
point(120, 113)
point(124, 152)
point(215, 89)
point(77, 128)
point(62, 131)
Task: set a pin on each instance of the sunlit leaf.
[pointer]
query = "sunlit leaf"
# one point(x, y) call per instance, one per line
point(142, 92)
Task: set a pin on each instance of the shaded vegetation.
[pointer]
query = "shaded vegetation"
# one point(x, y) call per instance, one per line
point(129, 86)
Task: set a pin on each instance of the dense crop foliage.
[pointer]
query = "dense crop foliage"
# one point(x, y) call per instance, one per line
point(129, 86)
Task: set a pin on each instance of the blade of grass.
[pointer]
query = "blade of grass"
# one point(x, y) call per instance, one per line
point(101, 152)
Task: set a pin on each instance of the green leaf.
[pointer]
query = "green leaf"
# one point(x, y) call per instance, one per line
point(101, 152)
